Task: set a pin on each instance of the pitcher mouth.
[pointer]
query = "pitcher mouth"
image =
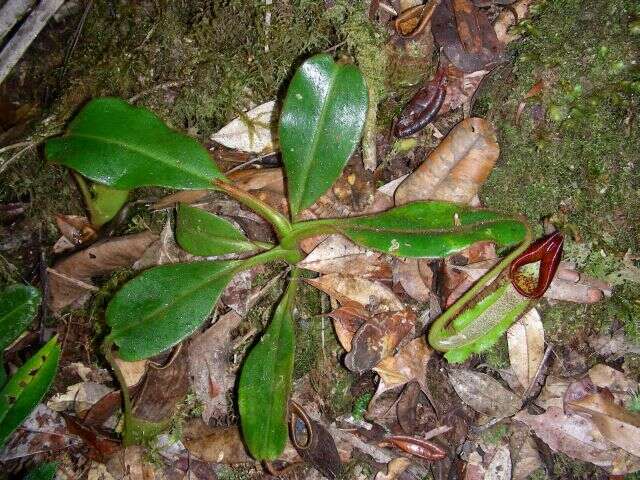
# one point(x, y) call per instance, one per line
point(547, 251)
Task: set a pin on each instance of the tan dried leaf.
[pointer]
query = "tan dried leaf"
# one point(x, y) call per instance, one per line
point(264, 179)
point(70, 280)
point(410, 363)
point(456, 168)
point(526, 346)
point(499, 467)
point(254, 131)
point(374, 296)
point(484, 393)
point(415, 276)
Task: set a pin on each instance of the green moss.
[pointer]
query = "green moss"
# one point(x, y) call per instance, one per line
point(566, 467)
point(573, 155)
point(495, 434)
point(498, 355)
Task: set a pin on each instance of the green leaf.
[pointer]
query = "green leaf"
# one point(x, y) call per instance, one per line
point(422, 229)
point(106, 202)
point(18, 305)
point(321, 122)
point(25, 389)
point(265, 384)
point(163, 305)
point(44, 471)
point(203, 233)
point(123, 146)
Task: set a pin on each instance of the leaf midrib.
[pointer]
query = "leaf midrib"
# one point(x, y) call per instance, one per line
point(145, 319)
point(161, 158)
point(452, 230)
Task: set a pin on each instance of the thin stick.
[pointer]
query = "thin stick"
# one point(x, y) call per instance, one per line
point(162, 86)
point(33, 25)
point(248, 162)
point(6, 164)
point(11, 13)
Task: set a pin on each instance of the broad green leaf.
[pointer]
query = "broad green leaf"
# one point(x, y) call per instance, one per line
point(321, 122)
point(265, 384)
point(164, 305)
point(124, 147)
point(44, 471)
point(423, 229)
point(18, 305)
point(203, 233)
point(26, 387)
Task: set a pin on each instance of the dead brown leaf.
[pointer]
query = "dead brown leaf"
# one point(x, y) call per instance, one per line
point(456, 168)
point(267, 179)
point(524, 452)
point(415, 276)
point(378, 338)
point(337, 254)
point(70, 280)
point(466, 36)
point(75, 229)
point(211, 375)
point(526, 347)
point(410, 363)
point(484, 393)
point(374, 296)
point(578, 438)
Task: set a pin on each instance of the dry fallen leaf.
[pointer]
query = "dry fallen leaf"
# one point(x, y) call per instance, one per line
point(410, 363)
point(70, 279)
point(506, 20)
point(132, 372)
point(78, 398)
point(524, 452)
point(415, 276)
point(578, 438)
point(209, 368)
point(268, 179)
point(374, 296)
point(456, 168)
point(337, 254)
point(254, 131)
point(395, 468)
point(622, 387)
point(526, 346)
point(617, 424)
point(75, 230)
point(378, 338)
point(484, 393)
point(499, 467)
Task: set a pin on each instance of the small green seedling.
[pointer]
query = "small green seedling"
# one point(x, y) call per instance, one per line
point(124, 147)
point(21, 393)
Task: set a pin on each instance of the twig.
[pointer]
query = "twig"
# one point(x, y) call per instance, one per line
point(32, 26)
point(74, 41)
point(247, 163)
point(536, 377)
point(73, 281)
point(11, 13)
point(6, 164)
point(175, 83)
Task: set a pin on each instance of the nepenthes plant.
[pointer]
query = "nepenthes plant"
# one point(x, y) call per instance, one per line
point(115, 144)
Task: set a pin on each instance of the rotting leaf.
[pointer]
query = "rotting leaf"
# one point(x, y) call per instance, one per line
point(209, 367)
point(483, 393)
point(415, 276)
point(70, 279)
point(378, 338)
point(409, 364)
point(125, 147)
point(254, 131)
point(456, 168)
point(466, 36)
point(526, 346)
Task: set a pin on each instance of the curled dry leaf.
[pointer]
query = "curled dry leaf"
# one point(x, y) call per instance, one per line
point(75, 230)
point(374, 296)
point(70, 279)
point(254, 131)
point(263, 179)
point(347, 320)
point(415, 276)
point(578, 438)
point(209, 368)
point(456, 168)
point(338, 254)
point(378, 338)
point(506, 20)
point(78, 398)
point(410, 363)
point(484, 393)
point(526, 346)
